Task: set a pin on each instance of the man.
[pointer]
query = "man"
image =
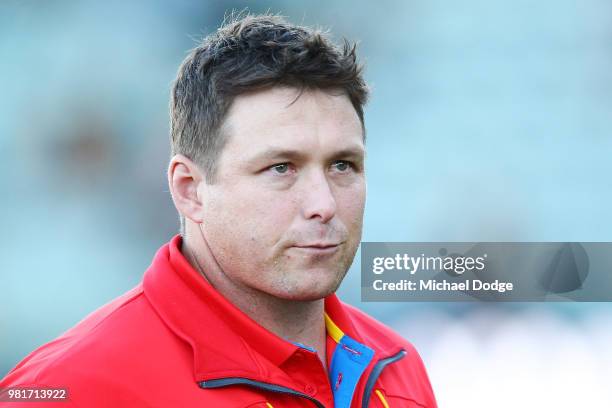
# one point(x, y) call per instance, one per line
point(267, 173)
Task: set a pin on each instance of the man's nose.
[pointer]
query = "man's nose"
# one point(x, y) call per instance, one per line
point(319, 200)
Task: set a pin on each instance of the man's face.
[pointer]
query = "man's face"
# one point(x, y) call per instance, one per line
point(285, 213)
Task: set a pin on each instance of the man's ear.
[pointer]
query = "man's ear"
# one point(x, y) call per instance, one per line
point(184, 177)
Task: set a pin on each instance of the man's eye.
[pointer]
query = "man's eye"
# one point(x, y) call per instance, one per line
point(281, 168)
point(342, 165)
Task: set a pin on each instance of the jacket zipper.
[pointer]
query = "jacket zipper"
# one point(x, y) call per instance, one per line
point(224, 382)
point(375, 373)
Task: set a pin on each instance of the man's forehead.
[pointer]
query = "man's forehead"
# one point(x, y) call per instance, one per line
point(285, 106)
point(275, 120)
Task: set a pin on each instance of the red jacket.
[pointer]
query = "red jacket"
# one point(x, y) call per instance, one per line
point(173, 341)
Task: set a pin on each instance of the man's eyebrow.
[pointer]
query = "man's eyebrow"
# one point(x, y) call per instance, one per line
point(291, 154)
point(275, 154)
point(351, 152)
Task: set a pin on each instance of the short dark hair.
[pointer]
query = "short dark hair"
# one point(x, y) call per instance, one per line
point(249, 53)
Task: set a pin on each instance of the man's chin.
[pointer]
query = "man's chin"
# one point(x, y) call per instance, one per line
point(309, 291)
point(304, 283)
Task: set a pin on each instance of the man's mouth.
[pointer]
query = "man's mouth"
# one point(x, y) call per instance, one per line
point(321, 248)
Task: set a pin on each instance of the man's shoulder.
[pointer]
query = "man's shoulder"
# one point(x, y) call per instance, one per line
point(102, 343)
point(116, 356)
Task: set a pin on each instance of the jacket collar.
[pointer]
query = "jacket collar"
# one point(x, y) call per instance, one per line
point(213, 326)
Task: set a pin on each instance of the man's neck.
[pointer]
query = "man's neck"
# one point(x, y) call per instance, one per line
point(296, 321)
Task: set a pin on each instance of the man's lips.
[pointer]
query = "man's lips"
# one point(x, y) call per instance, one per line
point(318, 248)
point(318, 245)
